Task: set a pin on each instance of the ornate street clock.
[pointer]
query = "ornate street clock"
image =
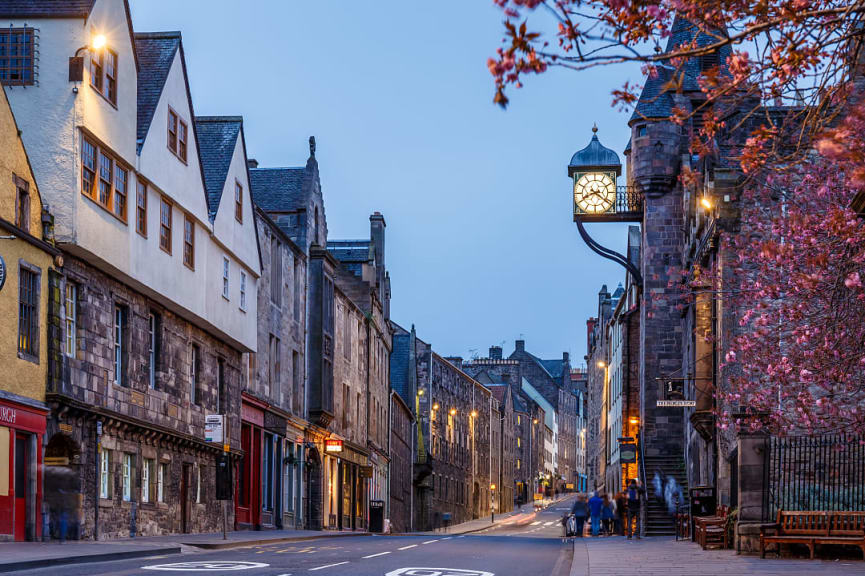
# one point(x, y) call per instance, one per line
point(595, 192)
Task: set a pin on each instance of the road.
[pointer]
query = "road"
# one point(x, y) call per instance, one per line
point(528, 544)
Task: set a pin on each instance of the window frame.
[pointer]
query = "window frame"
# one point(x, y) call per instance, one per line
point(194, 374)
point(141, 207)
point(165, 203)
point(242, 291)
point(148, 466)
point(22, 203)
point(152, 350)
point(104, 474)
point(70, 320)
point(96, 177)
point(127, 476)
point(178, 135)
point(29, 44)
point(161, 472)
point(28, 311)
point(226, 278)
point(188, 242)
point(120, 326)
point(104, 83)
point(238, 201)
point(276, 271)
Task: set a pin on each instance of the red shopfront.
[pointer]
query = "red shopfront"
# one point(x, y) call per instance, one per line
point(22, 428)
point(259, 486)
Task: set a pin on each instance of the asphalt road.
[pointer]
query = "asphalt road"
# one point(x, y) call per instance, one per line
point(525, 545)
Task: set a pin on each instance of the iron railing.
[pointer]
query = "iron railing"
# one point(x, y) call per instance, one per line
point(628, 199)
point(814, 473)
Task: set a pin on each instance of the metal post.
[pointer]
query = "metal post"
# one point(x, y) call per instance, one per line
point(225, 519)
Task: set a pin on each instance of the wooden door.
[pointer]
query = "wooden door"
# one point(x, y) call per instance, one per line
point(22, 485)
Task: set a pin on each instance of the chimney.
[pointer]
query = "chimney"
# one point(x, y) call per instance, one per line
point(566, 358)
point(456, 361)
point(590, 328)
point(376, 236)
point(520, 345)
point(251, 163)
point(495, 352)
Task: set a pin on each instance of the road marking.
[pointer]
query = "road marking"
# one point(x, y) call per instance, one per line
point(430, 541)
point(535, 523)
point(379, 554)
point(437, 572)
point(328, 566)
point(550, 523)
point(407, 547)
point(448, 538)
point(463, 536)
point(210, 566)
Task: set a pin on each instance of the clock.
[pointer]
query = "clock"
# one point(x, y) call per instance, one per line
point(595, 193)
point(2, 272)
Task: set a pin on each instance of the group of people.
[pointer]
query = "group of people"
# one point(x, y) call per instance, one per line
point(609, 516)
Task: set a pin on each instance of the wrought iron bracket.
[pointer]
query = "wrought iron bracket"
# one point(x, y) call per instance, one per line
point(609, 254)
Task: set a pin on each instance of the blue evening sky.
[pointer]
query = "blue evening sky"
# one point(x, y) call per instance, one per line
point(481, 244)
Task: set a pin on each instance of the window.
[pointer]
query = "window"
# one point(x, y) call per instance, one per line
point(194, 369)
point(519, 464)
point(104, 473)
point(273, 366)
point(238, 202)
point(298, 289)
point(221, 399)
point(346, 333)
point(642, 131)
point(243, 291)
point(16, 56)
point(267, 475)
point(103, 73)
point(119, 351)
point(161, 475)
point(275, 271)
point(165, 225)
point(141, 208)
point(127, 476)
point(22, 203)
point(198, 484)
point(296, 376)
point(71, 314)
point(103, 179)
point(152, 324)
point(519, 442)
point(28, 312)
point(177, 135)
point(225, 271)
point(189, 242)
point(148, 477)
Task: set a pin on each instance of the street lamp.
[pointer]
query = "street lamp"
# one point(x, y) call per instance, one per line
point(76, 62)
point(435, 406)
point(474, 413)
point(601, 364)
point(453, 411)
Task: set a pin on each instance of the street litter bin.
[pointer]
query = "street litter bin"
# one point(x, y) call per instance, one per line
point(376, 516)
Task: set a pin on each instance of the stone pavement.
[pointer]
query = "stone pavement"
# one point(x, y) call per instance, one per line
point(657, 556)
point(25, 555)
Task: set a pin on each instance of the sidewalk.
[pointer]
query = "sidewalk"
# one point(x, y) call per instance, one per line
point(659, 556)
point(28, 555)
point(525, 511)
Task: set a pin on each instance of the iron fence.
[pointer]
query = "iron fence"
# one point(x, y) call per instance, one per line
point(814, 473)
point(628, 199)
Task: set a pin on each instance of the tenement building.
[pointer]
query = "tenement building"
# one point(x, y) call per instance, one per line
point(29, 264)
point(157, 301)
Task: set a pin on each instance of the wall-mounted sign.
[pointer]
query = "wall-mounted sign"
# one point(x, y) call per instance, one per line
point(2, 272)
point(333, 445)
point(627, 452)
point(676, 403)
point(213, 429)
point(8, 415)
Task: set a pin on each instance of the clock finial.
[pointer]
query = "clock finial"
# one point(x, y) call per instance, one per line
point(595, 127)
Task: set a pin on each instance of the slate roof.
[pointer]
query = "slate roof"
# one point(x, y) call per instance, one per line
point(155, 52)
point(399, 367)
point(519, 402)
point(277, 189)
point(595, 154)
point(353, 254)
point(554, 367)
point(45, 8)
point(498, 390)
point(217, 139)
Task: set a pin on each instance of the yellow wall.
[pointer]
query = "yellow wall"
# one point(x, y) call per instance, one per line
point(19, 376)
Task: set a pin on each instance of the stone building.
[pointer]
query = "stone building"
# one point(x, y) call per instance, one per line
point(597, 360)
point(505, 445)
point(579, 382)
point(401, 454)
point(160, 278)
point(29, 267)
point(274, 398)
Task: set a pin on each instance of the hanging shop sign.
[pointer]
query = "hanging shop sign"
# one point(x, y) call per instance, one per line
point(676, 403)
point(332, 445)
point(627, 452)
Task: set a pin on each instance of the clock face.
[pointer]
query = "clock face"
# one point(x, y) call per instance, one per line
point(595, 193)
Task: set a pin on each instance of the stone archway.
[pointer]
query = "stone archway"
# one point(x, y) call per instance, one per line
point(312, 489)
point(63, 496)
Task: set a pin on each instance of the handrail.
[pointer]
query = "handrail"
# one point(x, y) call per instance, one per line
point(642, 472)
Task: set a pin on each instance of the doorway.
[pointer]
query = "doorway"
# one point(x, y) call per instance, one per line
point(184, 497)
point(22, 485)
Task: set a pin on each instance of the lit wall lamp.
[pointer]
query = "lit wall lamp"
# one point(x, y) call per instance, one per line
point(634, 421)
point(453, 411)
point(601, 364)
point(435, 405)
point(76, 62)
point(420, 392)
point(474, 413)
point(706, 202)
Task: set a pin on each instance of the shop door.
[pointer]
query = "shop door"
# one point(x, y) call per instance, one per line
point(22, 483)
point(255, 503)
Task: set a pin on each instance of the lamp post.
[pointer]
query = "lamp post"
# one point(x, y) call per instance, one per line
point(492, 503)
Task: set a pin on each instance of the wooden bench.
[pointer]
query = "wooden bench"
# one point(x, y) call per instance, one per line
point(812, 528)
point(712, 529)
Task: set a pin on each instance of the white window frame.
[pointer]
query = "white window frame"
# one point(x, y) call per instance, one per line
point(243, 291)
point(145, 480)
point(226, 270)
point(198, 484)
point(126, 477)
point(118, 345)
point(160, 481)
point(71, 301)
point(105, 464)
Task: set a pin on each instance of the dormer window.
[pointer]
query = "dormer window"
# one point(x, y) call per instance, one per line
point(16, 56)
point(103, 73)
point(22, 203)
point(177, 135)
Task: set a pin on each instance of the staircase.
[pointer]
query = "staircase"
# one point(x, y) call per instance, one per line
point(658, 520)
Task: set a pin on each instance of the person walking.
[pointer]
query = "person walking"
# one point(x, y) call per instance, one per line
point(635, 494)
point(580, 510)
point(595, 505)
point(607, 515)
point(621, 512)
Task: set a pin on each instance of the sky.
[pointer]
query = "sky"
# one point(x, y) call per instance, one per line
point(481, 246)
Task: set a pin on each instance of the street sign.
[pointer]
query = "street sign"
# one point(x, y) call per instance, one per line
point(333, 445)
point(676, 403)
point(627, 452)
point(213, 430)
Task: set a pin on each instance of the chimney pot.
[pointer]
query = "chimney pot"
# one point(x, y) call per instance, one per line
point(252, 163)
point(520, 345)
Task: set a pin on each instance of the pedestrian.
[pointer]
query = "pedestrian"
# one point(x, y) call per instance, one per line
point(621, 512)
point(635, 495)
point(595, 505)
point(580, 510)
point(607, 515)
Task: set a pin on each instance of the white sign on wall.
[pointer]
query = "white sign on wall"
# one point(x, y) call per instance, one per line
point(213, 428)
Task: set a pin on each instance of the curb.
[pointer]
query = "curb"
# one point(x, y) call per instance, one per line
point(229, 544)
point(107, 557)
point(580, 561)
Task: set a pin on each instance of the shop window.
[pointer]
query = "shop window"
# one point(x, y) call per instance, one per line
point(267, 477)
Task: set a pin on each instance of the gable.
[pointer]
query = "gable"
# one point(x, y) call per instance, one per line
point(156, 52)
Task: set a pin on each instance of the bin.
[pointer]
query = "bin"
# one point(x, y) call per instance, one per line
point(376, 516)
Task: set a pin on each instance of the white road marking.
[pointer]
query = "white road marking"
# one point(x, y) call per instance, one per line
point(535, 523)
point(463, 536)
point(211, 566)
point(437, 572)
point(549, 523)
point(448, 538)
point(407, 547)
point(379, 554)
point(283, 574)
point(430, 541)
point(328, 566)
